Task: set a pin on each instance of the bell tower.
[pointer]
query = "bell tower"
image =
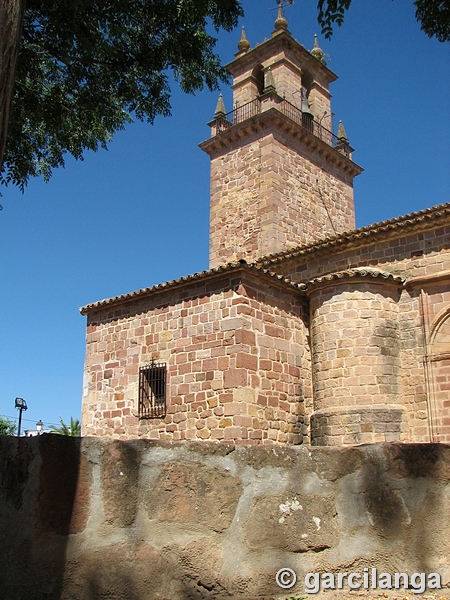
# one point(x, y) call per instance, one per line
point(279, 177)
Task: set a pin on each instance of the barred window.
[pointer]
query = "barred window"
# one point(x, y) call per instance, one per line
point(152, 391)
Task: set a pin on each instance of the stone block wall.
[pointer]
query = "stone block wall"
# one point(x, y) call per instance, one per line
point(410, 251)
point(422, 259)
point(237, 356)
point(271, 193)
point(356, 361)
point(346, 425)
point(356, 353)
point(83, 519)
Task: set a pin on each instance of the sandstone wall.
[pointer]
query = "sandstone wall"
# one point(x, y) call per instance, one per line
point(88, 519)
point(237, 356)
point(270, 192)
point(422, 259)
point(356, 363)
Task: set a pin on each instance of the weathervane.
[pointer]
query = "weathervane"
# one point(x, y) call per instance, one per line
point(282, 4)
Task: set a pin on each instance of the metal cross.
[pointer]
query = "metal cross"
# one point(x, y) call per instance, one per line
point(283, 4)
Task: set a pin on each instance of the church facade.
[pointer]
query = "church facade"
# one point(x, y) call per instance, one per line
point(304, 329)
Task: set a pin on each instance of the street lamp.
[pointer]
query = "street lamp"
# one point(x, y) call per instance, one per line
point(39, 426)
point(21, 405)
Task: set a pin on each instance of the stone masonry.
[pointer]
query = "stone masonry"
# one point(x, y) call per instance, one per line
point(234, 344)
point(84, 519)
point(304, 330)
point(276, 183)
point(413, 252)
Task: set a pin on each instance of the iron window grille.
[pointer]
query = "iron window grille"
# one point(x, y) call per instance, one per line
point(152, 391)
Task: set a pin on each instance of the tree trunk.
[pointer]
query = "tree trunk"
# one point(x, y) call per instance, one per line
point(11, 20)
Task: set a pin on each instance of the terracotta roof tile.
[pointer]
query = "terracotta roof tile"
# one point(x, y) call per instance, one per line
point(356, 273)
point(365, 235)
point(200, 276)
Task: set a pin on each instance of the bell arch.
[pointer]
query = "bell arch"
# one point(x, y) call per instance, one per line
point(258, 80)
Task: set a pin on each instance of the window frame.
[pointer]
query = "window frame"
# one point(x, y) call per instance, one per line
point(153, 390)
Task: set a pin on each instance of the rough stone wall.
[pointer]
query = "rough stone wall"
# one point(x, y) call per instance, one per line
point(415, 254)
point(237, 356)
point(270, 193)
point(356, 363)
point(83, 519)
point(423, 260)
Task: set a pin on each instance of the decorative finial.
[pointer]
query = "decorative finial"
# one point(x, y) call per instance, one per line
point(280, 22)
point(244, 44)
point(316, 51)
point(220, 108)
point(269, 81)
point(341, 133)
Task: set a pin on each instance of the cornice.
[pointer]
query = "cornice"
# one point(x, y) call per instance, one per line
point(358, 274)
point(273, 118)
point(433, 278)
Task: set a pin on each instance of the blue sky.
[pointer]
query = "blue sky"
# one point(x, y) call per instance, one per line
point(137, 214)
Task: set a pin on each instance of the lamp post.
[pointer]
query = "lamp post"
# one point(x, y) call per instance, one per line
point(39, 427)
point(21, 405)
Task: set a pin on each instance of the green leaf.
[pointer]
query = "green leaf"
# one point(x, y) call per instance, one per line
point(87, 67)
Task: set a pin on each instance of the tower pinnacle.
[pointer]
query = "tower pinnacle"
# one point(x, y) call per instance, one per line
point(316, 51)
point(243, 44)
point(280, 22)
point(341, 132)
point(220, 108)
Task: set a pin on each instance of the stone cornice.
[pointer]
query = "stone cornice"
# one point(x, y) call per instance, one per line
point(424, 280)
point(273, 118)
point(360, 274)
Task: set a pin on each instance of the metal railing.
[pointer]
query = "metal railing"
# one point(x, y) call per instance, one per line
point(253, 108)
point(152, 391)
point(238, 115)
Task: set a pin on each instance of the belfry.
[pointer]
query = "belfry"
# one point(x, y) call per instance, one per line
point(279, 177)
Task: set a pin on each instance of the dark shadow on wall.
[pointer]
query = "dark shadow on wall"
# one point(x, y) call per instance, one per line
point(39, 478)
point(408, 516)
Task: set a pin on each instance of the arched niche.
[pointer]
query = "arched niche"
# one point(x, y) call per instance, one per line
point(440, 333)
point(439, 358)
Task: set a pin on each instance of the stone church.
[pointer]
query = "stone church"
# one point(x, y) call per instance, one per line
point(304, 329)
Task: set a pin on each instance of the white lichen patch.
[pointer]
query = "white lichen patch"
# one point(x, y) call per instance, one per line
point(317, 522)
point(289, 507)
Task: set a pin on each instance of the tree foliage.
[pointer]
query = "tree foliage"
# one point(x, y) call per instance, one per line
point(7, 427)
point(433, 15)
point(86, 68)
point(74, 430)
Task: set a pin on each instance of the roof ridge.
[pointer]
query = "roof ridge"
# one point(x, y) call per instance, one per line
point(160, 287)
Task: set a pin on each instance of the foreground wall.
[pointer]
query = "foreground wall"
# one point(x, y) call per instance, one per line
point(92, 518)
